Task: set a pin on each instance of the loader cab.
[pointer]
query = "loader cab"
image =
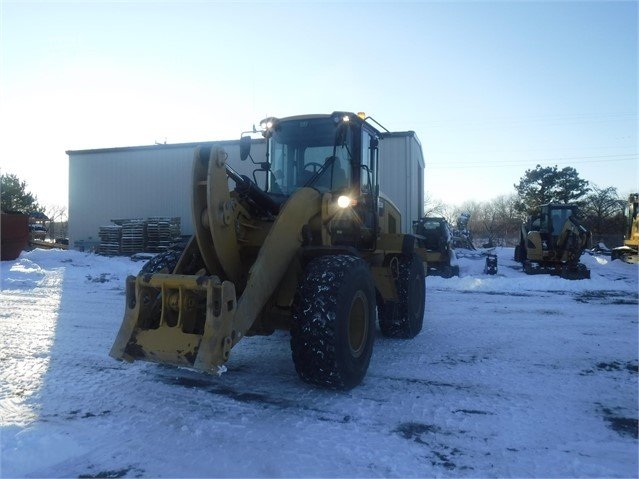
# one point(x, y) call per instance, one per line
point(331, 153)
point(434, 232)
point(554, 217)
point(550, 223)
point(335, 154)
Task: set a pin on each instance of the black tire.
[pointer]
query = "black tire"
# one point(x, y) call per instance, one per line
point(164, 262)
point(518, 253)
point(404, 318)
point(447, 271)
point(333, 324)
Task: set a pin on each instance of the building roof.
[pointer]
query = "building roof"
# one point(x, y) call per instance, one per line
point(158, 146)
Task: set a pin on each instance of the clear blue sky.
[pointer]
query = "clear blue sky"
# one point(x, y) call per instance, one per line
point(490, 88)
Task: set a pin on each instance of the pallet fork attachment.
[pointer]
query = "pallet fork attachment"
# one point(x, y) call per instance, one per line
point(163, 321)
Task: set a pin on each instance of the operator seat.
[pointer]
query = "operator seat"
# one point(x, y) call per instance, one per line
point(340, 180)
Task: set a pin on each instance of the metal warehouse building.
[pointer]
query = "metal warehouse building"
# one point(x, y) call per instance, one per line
point(401, 174)
point(155, 181)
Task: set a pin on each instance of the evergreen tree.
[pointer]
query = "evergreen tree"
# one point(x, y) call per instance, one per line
point(569, 187)
point(548, 184)
point(15, 197)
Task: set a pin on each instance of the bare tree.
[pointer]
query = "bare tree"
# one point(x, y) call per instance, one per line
point(485, 222)
point(603, 211)
point(452, 213)
point(433, 206)
point(58, 216)
point(496, 221)
point(508, 219)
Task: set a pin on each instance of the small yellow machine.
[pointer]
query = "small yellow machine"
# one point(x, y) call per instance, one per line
point(316, 251)
point(435, 241)
point(552, 241)
point(629, 251)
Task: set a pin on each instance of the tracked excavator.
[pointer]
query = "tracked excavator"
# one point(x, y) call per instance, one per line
point(552, 241)
point(629, 251)
point(316, 249)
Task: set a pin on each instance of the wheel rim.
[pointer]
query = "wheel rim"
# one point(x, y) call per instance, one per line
point(358, 324)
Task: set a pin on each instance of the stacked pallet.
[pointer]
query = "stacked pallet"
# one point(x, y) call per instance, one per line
point(161, 233)
point(110, 237)
point(175, 229)
point(131, 236)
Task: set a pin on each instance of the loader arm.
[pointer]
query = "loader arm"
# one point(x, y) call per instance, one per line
point(267, 271)
point(572, 240)
point(195, 320)
point(213, 216)
point(216, 235)
point(277, 252)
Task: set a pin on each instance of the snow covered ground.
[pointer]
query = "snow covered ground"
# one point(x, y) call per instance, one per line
point(512, 376)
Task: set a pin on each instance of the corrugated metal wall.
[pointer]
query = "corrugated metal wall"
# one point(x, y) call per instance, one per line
point(136, 182)
point(155, 181)
point(401, 169)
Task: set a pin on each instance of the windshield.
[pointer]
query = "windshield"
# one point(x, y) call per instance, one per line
point(300, 148)
point(558, 218)
point(431, 225)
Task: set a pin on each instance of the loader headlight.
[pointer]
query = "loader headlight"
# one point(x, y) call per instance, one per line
point(344, 201)
point(267, 125)
point(340, 117)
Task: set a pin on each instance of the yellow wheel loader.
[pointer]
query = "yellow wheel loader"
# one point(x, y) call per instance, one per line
point(629, 251)
point(316, 249)
point(552, 241)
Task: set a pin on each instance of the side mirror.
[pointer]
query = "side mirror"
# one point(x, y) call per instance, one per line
point(245, 147)
point(374, 143)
